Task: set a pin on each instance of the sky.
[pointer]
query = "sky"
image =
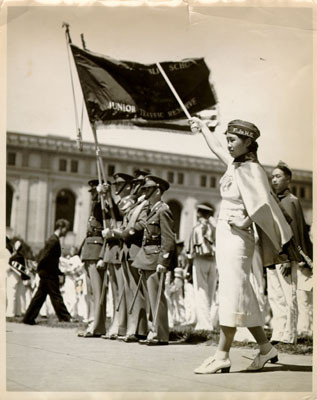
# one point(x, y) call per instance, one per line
point(260, 61)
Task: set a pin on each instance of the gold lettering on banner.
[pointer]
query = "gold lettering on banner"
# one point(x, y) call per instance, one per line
point(190, 103)
point(129, 108)
point(149, 114)
point(180, 65)
point(174, 67)
point(154, 71)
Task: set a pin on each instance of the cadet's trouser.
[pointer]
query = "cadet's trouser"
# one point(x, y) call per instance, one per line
point(160, 331)
point(96, 277)
point(305, 312)
point(204, 281)
point(119, 320)
point(283, 302)
point(304, 301)
point(137, 320)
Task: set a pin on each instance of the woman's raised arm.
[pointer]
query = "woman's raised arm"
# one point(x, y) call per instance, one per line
point(197, 125)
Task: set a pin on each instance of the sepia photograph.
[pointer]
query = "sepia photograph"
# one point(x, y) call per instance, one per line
point(158, 200)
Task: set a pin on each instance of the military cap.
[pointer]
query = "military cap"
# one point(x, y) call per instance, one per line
point(155, 181)
point(93, 183)
point(121, 177)
point(285, 168)
point(141, 173)
point(204, 208)
point(243, 128)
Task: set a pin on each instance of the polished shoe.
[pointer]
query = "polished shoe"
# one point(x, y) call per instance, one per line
point(91, 335)
point(143, 341)
point(261, 359)
point(131, 339)
point(27, 322)
point(153, 342)
point(211, 366)
point(113, 336)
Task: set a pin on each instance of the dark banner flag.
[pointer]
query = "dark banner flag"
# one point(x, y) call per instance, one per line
point(129, 92)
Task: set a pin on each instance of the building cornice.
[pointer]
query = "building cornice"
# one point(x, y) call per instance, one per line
point(67, 146)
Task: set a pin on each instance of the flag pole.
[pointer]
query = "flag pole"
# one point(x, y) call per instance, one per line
point(102, 177)
point(173, 90)
point(78, 129)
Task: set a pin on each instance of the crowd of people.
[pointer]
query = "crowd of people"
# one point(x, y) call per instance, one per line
point(249, 267)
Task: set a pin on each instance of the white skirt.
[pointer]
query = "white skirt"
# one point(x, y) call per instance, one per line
point(238, 305)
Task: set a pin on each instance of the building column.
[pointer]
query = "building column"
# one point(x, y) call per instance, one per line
point(187, 218)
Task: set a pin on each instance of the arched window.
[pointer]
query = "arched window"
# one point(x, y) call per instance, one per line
point(9, 199)
point(176, 209)
point(65, 206)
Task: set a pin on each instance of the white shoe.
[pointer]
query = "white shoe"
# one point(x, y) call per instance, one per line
point(211, 366)
point(261, 359)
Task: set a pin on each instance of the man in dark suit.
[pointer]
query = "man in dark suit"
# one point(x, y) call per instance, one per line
point(157, 256)
point(49, 273)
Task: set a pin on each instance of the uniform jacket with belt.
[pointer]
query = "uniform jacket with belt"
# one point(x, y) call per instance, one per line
point(93, 242)
point(133, 229)
point(111, 252)
point(159, 240)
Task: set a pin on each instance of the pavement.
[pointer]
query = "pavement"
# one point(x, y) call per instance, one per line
point(45, 359)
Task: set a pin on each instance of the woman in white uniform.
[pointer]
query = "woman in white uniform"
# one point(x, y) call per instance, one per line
point(247, 204)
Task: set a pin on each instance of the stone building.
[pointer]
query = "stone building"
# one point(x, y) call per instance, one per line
point(47, 179)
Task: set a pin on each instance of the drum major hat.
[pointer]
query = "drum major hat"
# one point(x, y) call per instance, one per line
point(155, 181)
point(204, 208)
point(243, 128)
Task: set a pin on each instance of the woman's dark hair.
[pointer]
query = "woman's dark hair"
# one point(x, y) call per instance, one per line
point(253, 146)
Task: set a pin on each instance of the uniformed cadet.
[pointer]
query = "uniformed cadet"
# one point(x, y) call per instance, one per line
point(286, 281)
point(201, 250)
point(157, 256)
point(90, 254)
point(132, 234)
point(117, 271)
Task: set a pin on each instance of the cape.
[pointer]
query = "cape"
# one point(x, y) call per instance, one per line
point(262, 207)
point(292, 206)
